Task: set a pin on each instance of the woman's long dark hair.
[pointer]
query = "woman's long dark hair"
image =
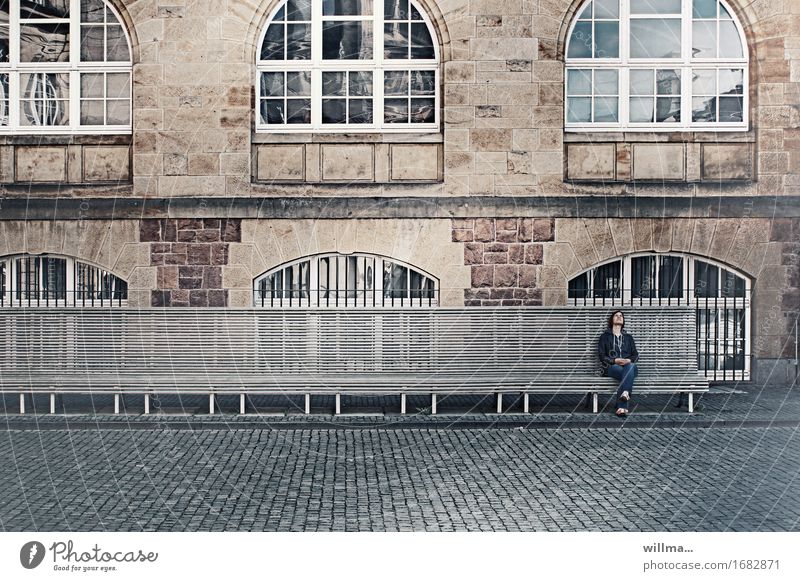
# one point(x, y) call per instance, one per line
point(611, 319)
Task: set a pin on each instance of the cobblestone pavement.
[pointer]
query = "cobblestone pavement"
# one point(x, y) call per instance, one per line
point(470, 470)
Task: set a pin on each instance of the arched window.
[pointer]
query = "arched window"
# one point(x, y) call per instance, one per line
point(65, 66)
point(629, 67)
point(56, 281)
point(720, 295)
point(346, 280)
point(348, 65)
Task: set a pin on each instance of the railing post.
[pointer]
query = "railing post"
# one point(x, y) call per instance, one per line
point(147, 403)
point(308, 403)
point(433, 404)
point(499, 403)
point(116, 403)
point(338, 404)
point(402, 403)
point(526, 403)
point(241, 404)
point(22, 403)
point(211, 404)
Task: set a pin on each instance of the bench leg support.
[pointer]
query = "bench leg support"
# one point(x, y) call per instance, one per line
point(499, 403)
point(241, 403)
point(338, 403)
point(433, 404)
point(147, 403)
point(526, 403)
point(594, 403)
point(402, 403)
point(22, 403)
point(308, 403)
point(211, 404)
point(691, 403)
point(52, 403)
point(116, 403)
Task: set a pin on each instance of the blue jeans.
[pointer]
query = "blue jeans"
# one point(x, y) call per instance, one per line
point(626, 374)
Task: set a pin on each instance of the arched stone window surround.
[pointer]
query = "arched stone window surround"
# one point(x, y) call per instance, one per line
point(720, 293)
point(427, 99)
point(335, 280)
point(684, 67)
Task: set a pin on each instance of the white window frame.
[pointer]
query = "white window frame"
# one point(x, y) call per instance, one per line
point(688, 285)
point(314, 300)
point(8, 292)
point(74, 67)
point(377, 65)
point(684, 65)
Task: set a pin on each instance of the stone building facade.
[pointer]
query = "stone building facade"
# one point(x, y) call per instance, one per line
point(499, 204)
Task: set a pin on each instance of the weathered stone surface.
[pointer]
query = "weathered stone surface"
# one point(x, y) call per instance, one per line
point(415, 162)
point(727, 161)
point(106, 163)
point(591, 162)
point(41, 164)
point(658, 161)
point(280, 162)
point(348, 162)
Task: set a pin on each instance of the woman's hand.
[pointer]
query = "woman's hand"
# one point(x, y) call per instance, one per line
point(622, 361)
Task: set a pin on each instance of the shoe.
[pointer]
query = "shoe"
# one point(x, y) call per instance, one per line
point(625, 396)
point(622, 412)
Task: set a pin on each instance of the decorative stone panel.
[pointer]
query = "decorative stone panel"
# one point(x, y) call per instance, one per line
point(659, 161)
point(727, 161)
point(505, 256)
point(66, 163)
point(189, 256)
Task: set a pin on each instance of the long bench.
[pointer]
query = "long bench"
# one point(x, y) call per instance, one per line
point(437, 352)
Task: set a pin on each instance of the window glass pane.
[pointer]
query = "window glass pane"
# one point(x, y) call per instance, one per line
point(118, 112)
point(298, 83)
point(579, 109)
point(298, 10)
point(395, 9)
point(732, 285)
point(641, 109)
point(395, 83)
point(580, 41)
point(641, 82)
point(704, 39)
point(422, 111)
point(334, 110)
point(579, 82)
point(668, 109)
point(117, 45)
point(606, 82)
point(333, 83)
point(360, 111)
point(704, 109)
point(92, 10)
point(348, 40)
point(670, 277)
point(731, 109)
point(272, 111)
point(346, 7)
point(723, 13)
point(44, 43)
point(395, 40)
point(579, 287)
point(415, 14)
point(272, 84)
point(92, 43)
point(3, 99)
point(395, 280)
point(731, 81)
point(44, 9)
point(605, 110)
point(4, 31)
point(423, 82)
point(421, 42)
point(705, 279)
point(606, 40)
point(704, 82)
point(655, 38)
point(360, 83)
point(92, 113)
point(118, 85)
point(668, 82)
point(272, 47)
point(730, 45)
point(704, 9)
point(643, 276)
point(298, 42)
point(587, 12)
point(395, 111)
point(606, 8)
point(298, 111)
point(607, 280)
point(92, 85)
point(655, 6)
point(44, 99)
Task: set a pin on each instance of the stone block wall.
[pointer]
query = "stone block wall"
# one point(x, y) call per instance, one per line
point(189, 255)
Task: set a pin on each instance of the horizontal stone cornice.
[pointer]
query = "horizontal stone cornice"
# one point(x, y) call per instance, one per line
point(343, 207)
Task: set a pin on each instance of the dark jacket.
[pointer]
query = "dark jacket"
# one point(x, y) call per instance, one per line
point(610, 348)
